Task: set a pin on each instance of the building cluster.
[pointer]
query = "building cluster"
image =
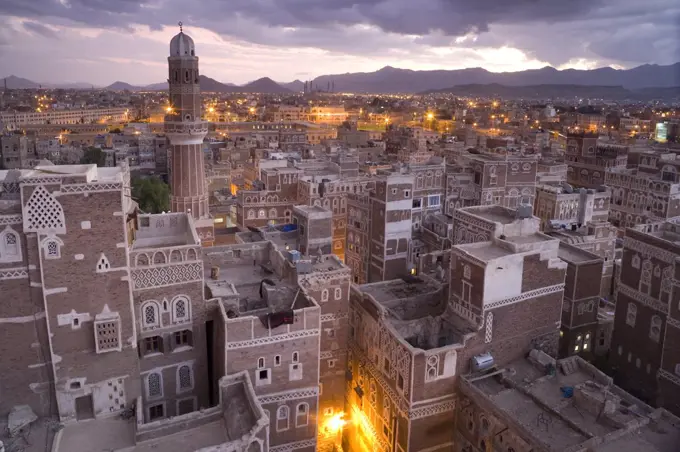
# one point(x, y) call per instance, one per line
point(341, 288)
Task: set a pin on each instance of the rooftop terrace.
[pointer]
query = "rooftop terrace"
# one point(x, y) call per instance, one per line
point(596, 416)
point(165, 230)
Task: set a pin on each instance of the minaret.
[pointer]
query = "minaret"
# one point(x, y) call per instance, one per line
point(186, 130)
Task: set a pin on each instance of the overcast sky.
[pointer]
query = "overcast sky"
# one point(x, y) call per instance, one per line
point(101, 41)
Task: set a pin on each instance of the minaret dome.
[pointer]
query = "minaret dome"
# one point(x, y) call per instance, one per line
point(182, 44)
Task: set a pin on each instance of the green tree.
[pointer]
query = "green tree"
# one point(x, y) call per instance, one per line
point(93, 155)
point(152, 194)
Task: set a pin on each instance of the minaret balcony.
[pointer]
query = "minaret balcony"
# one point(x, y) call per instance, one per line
point(193, 128)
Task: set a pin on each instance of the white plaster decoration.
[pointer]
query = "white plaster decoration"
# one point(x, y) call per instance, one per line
point(181, 309)
point(79, 257)
point(107, 333)
point(641, 298)
point(73, 319)
point(272, 339)
point(10, 246)
point(526, 296)
point(85, 225)
point(294, 446)
point(673, 322)
point(41, 180)
point(432, 410)
point(302, 415)
point(43, 213)
point(294, 372)
point(36, 284)
point(150, 315)
point(14, 273)
point(103, 265)
point(330, 317)
point(649, 250)
point(92, 188)
point(24, 319)
point(669, 376)
point(432, 368)
point(55, 290)
point(51, 247)
point(166, 275)
point(282, 418)
point(10, 219)
point(294, 394)
point(488, 331)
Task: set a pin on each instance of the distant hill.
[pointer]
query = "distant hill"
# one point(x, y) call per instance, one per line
point(122, 86)
point(265, 85)
point(162, 86)
point(394, 80)
point(213, 86)
point(558, 91)
point(296, 86)
point(14, 82)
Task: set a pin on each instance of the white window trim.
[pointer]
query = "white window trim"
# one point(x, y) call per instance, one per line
point(279, 418)
point(263, 381)
point(338, 293)
point(324, 295)
point(179, 389)
point(157, 308)
point(5, 257)
point(106, 318)
point(187, 316)
point(147, 388)
point(103, 264)
point(297, 416)
point(45, 243)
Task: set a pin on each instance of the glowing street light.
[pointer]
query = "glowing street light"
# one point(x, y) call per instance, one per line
point(168, 109)
point(430, 116)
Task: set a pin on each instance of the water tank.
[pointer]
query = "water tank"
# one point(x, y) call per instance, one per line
point(525, 211)
point(482, 362)
point(294, 255)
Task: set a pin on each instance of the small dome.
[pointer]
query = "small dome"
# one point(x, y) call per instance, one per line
point(182, 45)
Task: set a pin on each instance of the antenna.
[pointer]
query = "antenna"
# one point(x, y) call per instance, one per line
point(180, 26)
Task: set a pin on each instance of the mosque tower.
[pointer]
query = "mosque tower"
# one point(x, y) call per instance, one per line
point(186, 130)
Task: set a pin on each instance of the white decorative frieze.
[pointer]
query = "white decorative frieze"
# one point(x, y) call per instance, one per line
point(329, 317)
point(159, 276)
point(41, 180)
point(294, 446)
point(14, 273)
point(432, 410)
point(289, 395)
point(649, 250)
point(669, 376)
point(641, 298)
point(89, 188)
point(525, 296)
point(272, 339)
point(43, 213)
point(673, 322)
point(10, 219)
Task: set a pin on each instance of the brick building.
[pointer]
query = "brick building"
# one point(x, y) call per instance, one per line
point(588, 160)
point(645, 194)
point(644, 351)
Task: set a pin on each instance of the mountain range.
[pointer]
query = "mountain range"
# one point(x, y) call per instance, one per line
point(393, 80)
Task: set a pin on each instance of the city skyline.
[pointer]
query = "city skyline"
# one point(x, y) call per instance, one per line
point(81, 42)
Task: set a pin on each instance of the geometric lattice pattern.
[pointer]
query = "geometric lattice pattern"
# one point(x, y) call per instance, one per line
point(185, 377)
point(43, 213)
point(14, 273)
point(488, 333)
point(107, 335)
point(165, 276)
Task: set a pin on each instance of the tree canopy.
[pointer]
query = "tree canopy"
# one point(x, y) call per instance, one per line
point(151, 193)
point(93, 155)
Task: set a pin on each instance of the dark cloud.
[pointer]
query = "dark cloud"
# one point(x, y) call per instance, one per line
point(555, 31)
point(40, 29)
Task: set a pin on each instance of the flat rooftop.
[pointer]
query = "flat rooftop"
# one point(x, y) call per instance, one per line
point(399, 289)
point(485, 251)
point(164, 230)
point(575, 255)
point(497, 214)
point(92, 173)
point(530, 394)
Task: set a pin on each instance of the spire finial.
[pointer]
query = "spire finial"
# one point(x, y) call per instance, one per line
point(180, 26)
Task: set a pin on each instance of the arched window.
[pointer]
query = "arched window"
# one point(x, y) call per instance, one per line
point(10, 246)
point(282, 418)
point(646, 277)
point(181, 309)
point(338, 293)
point(467, 273)
point(142, 260)
point(324, 295)
point(251, 214)
point(175, 256)
point(184, 378)
point(150, 315)
point(432, 368)
point(655, 328)
point(302, 415)
point(154, 385)
point(631, 314)
point(635, 262)
point(262, 213)
point(52, 247)
point(159, 257)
